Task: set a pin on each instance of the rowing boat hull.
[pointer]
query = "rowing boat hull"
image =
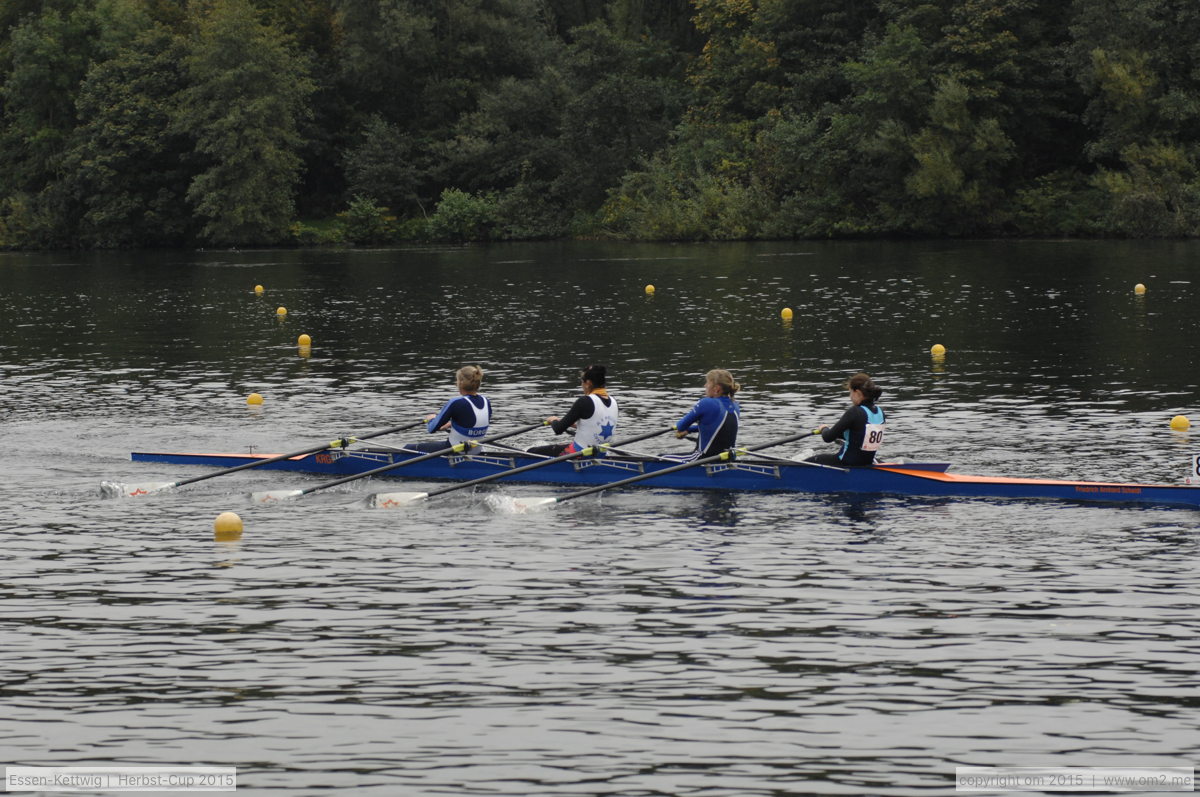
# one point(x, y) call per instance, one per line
point(929, 479)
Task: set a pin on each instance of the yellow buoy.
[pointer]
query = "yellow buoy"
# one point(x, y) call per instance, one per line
point(281, 311)
point(1139, 288)
point(258, 289)
point(227, 521)
point(937, 350)
point(786, 314)
point(304, 340)
point(1180, 422)
point(649, 289)
point(254, 398)
point(227, 526)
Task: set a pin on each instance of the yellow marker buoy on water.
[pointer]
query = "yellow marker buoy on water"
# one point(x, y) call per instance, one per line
point(937, 350)
point(254, 398)
point(650, 289)
point(1139, 289)
point(258, 289)
point(786, 314)
point(227, 526)
point(282, 311)
point(304, 340)
point(1180, 423)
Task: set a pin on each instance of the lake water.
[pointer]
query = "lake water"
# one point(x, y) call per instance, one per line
point(641, 643)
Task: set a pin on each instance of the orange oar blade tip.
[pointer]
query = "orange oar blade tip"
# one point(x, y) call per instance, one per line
point(395, 500)
point(120, 490)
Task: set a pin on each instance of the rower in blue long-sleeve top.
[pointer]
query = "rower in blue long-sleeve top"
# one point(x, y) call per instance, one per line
point(714, 417)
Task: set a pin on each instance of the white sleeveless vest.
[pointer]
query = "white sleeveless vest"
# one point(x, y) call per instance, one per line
point(599, 428)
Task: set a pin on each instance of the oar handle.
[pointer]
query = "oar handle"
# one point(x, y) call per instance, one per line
point(392, 430)
point(639, 438)
point(804, 462)
point(454, 449)
point(303, 452)
point(782, 440)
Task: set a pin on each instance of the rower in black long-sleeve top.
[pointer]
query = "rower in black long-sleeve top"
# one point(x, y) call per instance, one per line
point(594, 416)
point(860, 428)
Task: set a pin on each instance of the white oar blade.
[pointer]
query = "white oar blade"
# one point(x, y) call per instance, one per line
point(506, 505)
point(274, 496)
point(122, 490)
point(395, 500)
point(525, 505)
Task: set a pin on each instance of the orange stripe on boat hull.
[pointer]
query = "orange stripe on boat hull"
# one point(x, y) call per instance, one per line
point(233, 456)
point(962, 478)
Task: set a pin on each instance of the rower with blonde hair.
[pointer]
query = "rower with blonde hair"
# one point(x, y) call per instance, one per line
point(715, 417)
point(464, 417)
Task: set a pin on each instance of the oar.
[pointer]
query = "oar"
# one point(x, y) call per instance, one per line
point(396, 500)
point(117, 489)
point(518, 450)
point(787, 461)
point(280, 495)
point(739, 451)
point(526, 504)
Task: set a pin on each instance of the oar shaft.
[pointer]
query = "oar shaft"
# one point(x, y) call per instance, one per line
point(304, 452)
point(540, 464)
point(256, 463)
point(803, 462)
point(423, 458)
point(682, 466)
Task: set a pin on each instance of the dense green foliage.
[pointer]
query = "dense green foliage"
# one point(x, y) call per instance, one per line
point(226, 122)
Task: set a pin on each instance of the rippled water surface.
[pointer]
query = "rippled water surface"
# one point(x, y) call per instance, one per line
point(643, 643)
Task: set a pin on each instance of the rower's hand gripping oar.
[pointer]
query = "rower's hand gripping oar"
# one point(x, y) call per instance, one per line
point(120, 490)
point(526, 504)
point(272, 496)
point(396, 500)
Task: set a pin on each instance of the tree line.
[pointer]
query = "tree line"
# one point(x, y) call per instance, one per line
point(144, 123)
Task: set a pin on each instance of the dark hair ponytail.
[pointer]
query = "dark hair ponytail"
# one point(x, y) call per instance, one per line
point(594, 374)
point(871, 391)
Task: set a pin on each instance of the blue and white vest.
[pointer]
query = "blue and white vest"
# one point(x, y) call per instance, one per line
point(460, 434)
point(599, 428)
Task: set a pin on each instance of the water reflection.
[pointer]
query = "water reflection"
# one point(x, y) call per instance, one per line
point(718, 509)
point(862, 512)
